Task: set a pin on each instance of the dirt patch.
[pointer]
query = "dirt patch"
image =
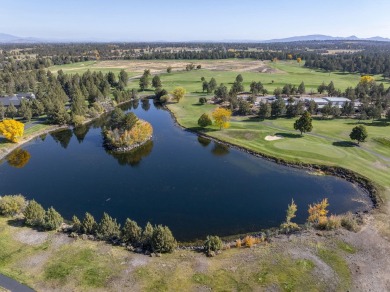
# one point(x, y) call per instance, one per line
point(273, 138)
point(30, 236)
point(370, 265)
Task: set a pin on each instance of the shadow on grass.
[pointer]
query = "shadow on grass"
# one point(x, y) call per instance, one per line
point(3, 140)
point(381, 123)
point(17, 222)
point(289, 135)
point(344, 144)
point(253, 119)
point(201, 130)
point(197, 104)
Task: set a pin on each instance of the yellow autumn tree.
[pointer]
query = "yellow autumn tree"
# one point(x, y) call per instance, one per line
point(289, 56)
point(221, 117)
point(12, 130)
point(178, 93)
point(318, 212)
point(366, 79)
point(299, 60)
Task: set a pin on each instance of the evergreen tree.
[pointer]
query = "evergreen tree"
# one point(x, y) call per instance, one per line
point(156, 82)
point(2, 111)
point(264, 111)
point(304, 123)
point(204, 120)
point(107, 228)
point(124, 77)
point(212, 85)
point(278, 107)
point(162, 240)
point(76, 224)
point(53, 219)
point(147, 235)
point(34, 214)
point(111, 78)
point(301, 88)
point(89, 224)
point(239, 78)
point(11, 111)
point(131, 232)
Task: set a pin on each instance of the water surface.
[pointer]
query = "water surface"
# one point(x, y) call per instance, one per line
point(195, 186)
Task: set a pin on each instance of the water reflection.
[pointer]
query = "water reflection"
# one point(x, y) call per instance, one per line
point(220, 149)
point(18, 158)
point(145, 104)
point(204, 141)
point(133, 158)
point(135, 104)
point(63, 137)
point(81, 132)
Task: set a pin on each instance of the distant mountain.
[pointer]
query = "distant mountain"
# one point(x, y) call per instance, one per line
point(12, 39)
point(8, 38)
point(320, 37)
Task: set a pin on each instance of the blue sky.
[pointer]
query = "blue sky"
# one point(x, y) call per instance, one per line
point(186, 20)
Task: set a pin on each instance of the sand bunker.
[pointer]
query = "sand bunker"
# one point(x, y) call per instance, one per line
point(273, 138)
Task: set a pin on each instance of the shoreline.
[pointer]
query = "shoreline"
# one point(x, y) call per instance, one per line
point(53, 128)
point(361, 181)
point(7, 150)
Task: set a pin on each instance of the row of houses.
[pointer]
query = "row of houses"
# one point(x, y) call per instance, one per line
point(16, 99)
point(320, 101)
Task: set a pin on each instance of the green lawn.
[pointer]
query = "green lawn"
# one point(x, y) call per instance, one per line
point(82, 67)
point(328, 144)
point(288, 73)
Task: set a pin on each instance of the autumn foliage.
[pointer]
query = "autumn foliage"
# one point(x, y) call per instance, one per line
point(18, 158)
point(139, 133)
point(178, 93)
point(318, 212)
point(221, 117)
point(12, 130)
point(366, 79)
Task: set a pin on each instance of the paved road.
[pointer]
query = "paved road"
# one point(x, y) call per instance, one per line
point(12, 285)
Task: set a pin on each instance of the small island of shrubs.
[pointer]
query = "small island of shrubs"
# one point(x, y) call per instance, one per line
point(124, 132)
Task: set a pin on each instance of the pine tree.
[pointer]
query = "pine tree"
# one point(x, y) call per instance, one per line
point(89, 224)
point(131, 232)
point(53, 219)
point(304, 123)
point(34, 214)
point(147, 235)
point(162, 240)
point(76, 224)
point(108, 228)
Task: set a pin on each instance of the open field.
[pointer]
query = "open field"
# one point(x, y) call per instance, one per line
point(49, 261)
point(272, 75)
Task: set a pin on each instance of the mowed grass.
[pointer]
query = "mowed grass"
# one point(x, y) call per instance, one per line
point(288, 72)
point(33, 130)
point(328, 144)
point(81, 67)
point(285, 72)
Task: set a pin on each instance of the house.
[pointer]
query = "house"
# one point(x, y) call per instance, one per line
point(16, 99)
point(320, 102)
point(337, 101)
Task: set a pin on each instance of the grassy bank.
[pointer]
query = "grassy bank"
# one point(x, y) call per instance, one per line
point(50, 261)
point(32, 132)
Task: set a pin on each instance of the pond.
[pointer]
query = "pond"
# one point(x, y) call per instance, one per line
point(193, 185)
